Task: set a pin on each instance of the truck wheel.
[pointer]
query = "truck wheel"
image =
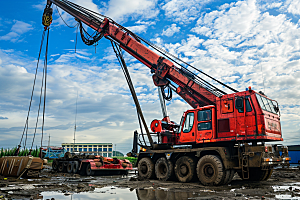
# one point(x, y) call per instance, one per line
point(226, 176)
point(146, 168)
point(70, 167)
point(231, 176)
point(257, 174)
point(55, 165)
point(60, 167)
point(75, 167)
point(184, 169)
point(210, 170)
point(268, 174)
point(164, 169)
point(89, 171)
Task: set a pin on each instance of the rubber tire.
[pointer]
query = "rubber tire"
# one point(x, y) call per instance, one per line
point(231, 176)
point(190, 167)
point(164, 169)
point(210, 162)
point(146, 168)
point(255, 174)
point(75, 167)
point(60, 167)
point(226, 176)
point(70, 167)
point(55, 165)
point(268, 174)
point(88, 170)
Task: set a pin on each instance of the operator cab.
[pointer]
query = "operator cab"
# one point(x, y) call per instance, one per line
point(240, 116)
point(197, 125)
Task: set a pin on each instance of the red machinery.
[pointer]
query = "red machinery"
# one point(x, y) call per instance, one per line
point(91, 165)
point(225, 132)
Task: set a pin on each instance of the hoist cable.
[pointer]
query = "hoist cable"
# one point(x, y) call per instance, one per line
point(64, 20)
point(96, 36)
point(37, 119)
point(45, 66)
point(76, 36)
point(37, 66)
point(169, 96)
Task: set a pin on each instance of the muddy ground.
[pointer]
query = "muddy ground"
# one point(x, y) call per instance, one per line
point(283, 184)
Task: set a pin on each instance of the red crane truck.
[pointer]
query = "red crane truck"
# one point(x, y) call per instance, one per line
point(222, 134)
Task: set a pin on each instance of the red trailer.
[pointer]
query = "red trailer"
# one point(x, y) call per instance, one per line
point(91, 165)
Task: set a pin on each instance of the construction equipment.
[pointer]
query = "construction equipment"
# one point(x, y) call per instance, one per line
point(222, 134)
point(91, 165)
point(18, 166)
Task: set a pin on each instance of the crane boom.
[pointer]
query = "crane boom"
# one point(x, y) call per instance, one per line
point(193, 89)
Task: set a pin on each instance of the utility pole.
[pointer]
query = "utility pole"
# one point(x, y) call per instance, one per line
point(48, 149)
point(75, 124)
point(115, 149)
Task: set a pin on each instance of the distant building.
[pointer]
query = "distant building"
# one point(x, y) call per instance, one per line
point(102, 149)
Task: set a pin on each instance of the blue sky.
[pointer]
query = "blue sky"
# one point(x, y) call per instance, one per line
point(242, 43)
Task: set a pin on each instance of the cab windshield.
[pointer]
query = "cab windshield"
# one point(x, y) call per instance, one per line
point(181, 123)
point(265, 104)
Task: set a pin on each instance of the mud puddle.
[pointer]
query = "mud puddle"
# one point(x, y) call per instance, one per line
point(284, 184)
point(115, 193)
point(107, 193)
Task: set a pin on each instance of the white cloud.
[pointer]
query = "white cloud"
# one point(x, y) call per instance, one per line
point(119, 9)
point(171, 30)
point(16, 31)
point(40, 6)
point(292, 6)
point(182, 10)
point(138, 28)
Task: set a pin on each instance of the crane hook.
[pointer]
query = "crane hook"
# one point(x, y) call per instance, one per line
point(47, 16)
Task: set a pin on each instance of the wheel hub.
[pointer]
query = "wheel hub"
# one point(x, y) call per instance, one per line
point(209, 171)
point(162, 169)
point(144, 169)
point(183, 169)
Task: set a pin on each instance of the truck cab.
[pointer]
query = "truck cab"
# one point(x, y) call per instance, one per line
point(246, 115)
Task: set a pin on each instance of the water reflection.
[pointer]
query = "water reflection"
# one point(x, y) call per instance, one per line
point(158, 194)
point(114, 193)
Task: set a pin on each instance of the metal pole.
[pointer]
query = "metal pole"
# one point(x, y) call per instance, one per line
point(162, 102)
point(75, 122)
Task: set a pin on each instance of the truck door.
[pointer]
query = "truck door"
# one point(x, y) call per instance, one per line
point(250, 117)
point(188, 129)
point(240, 116)
point(204, 126)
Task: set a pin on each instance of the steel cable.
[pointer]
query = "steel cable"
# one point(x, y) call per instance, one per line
point(36, 70)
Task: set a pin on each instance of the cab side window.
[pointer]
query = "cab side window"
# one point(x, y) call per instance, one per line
point(189, 122)
point(248, 106)
point(204, 119)
point(239, 104)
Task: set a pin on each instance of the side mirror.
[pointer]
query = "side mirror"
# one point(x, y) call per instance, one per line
point(276, 109)
point(239, 103)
